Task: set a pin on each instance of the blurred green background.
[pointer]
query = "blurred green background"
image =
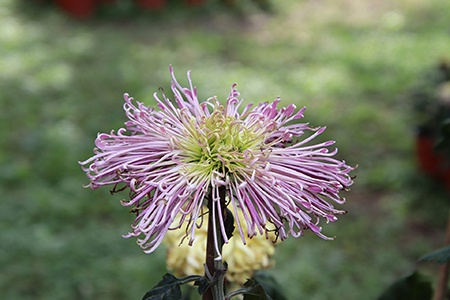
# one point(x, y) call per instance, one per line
point(351, 63)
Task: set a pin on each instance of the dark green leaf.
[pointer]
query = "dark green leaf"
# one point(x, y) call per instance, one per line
point(203, 285)
point(411, 287)
point(167, 289)
point(255, 291)
point(441, 256)
point(270, 285)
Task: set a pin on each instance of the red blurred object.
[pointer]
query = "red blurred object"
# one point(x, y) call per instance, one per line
point(195, 2)
point(78, 8)
point(429, 161)
point(152, 4)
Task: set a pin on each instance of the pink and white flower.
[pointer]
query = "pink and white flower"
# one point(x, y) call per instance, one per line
point(174, 158)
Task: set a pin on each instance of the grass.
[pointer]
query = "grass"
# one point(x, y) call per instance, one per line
point(351, 63)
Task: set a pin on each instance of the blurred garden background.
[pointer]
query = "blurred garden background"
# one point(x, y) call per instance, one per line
point(354, 64)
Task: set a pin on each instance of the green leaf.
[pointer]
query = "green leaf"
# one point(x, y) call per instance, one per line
point(270, 285)
point(203, 285)
point(167, 289)
point(411, 287)
point(441, 256)
point(255, 291)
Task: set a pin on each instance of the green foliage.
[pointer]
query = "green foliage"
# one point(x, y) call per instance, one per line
point(411, 287)
point(272, 287)
point(251, 291)
point(255, 291)
point(440, 256)
point(169, 288)
point(203, 285)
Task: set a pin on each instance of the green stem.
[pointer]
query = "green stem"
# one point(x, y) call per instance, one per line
point(189, 278)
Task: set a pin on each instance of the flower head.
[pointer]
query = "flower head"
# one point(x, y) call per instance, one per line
point(174, 158)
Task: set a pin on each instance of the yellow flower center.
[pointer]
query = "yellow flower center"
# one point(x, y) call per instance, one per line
point(219, 144)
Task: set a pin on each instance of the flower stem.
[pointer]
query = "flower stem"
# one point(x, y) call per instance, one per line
point(215, 268)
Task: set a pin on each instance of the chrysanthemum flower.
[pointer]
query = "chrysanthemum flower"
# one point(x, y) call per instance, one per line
point(174, 158)
point(242, 260)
